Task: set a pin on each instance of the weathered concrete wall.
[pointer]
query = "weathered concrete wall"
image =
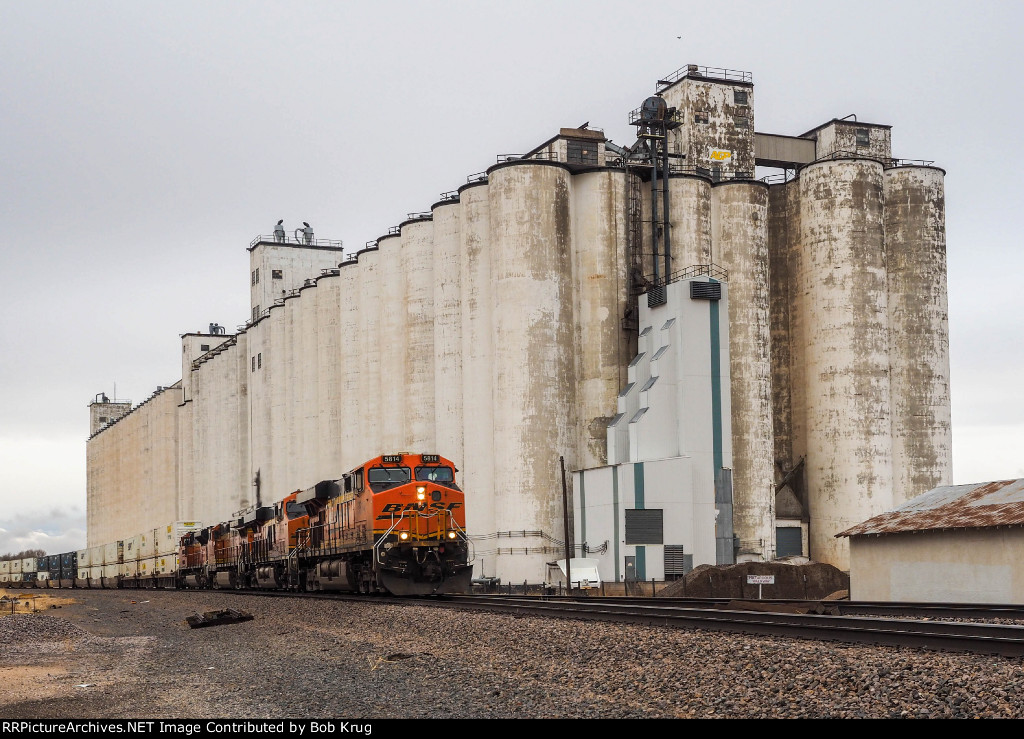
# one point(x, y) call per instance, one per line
point(712, 120)
point(600, 291)
point(740, 244)
point(294, 262)
point(371, 431)
point(478, 372)
point(417, 387)
point(327, 349)
point(841, 136)
point(393, 348)
point(128, 490)
point(783, 239)
point(219, 434)
point(448, 357)
point(690, 220)
point(961, 566)
point(351, 364)
point(845, 348)
point(915, 246)
point(534, 368)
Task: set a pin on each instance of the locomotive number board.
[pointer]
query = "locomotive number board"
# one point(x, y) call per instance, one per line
point(391, 458)
point(430, 458)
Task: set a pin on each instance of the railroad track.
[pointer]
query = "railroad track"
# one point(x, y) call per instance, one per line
point(968, 636)
point(891, 624)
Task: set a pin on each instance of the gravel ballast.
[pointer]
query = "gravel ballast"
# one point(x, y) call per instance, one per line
point(109, 657)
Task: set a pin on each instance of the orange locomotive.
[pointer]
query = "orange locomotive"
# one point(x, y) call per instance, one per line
point(396, 523)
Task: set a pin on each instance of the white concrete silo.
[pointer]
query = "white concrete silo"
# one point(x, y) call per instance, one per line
point(845, 348)
point(351, 366)
point(740, 245)
point(689, 220)
point(392, 347)
point(329, 377)
point(417, 276)
point(915, 246)
point(274, 468)
point(477, 476)
point(534, 363)
point(601, 293)
point(448, 359)
point(369, 420)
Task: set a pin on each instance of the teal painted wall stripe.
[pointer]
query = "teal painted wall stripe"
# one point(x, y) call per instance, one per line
point(716, 386)
point(615, 520)
point(641, 563)
point(638, 484)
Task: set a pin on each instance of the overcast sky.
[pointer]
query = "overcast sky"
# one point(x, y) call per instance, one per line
point(143, 145)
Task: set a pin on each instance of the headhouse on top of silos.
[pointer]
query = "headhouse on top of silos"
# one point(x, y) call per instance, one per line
point(953, 544)
point(730, 368)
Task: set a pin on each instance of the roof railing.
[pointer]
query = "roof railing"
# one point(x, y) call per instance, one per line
point(697, 71)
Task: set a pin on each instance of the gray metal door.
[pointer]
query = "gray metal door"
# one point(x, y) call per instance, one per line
point(788, 541)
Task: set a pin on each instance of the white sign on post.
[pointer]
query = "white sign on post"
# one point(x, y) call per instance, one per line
point(760, 580)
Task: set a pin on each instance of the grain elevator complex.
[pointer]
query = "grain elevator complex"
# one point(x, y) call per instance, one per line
point(731, 366)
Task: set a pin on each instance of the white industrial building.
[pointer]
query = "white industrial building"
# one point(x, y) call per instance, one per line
point(953, 544)
point(504, 327)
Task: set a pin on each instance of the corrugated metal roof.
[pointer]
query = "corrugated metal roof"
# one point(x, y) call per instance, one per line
point(981, 505)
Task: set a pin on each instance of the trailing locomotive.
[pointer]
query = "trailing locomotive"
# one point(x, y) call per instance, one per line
point(394, 524)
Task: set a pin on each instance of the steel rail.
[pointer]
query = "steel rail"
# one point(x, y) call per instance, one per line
point(981, 638)
point(973, 611)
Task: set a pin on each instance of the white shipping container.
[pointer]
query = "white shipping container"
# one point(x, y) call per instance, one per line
point(16, 577)
point(83, 573)
point(170, 535)
point(15, 566)
point(111, 570)
point(129, 568)
point(42, 576)
point(147, 567)
point(5, 577)
point(96, 555)
point(29, 564)
point(5, 567)
point(95, 572)
point(83, 557)
point(147, 548)
point(131, 548)
point(112, 553)
point(167, 564)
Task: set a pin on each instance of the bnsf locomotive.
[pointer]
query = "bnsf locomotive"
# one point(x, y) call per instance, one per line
point(394, 524)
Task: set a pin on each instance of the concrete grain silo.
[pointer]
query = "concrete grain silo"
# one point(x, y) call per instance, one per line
point(690, 219)
point(393, 346)
point(842, 293)
point(478, 365)
point(534, 367)
point(915, 246)
point(327, 412)
point(371, 407)
point(601, 346)
point(351, 365)
point(447, 345)
point(740, 244)
point(417, 277)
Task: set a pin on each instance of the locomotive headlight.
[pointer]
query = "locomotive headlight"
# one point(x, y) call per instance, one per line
point(404, 535)
point(421, 492)
point(451, 534)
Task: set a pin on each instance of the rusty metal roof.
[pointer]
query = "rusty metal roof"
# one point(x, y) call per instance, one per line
point(981, 505)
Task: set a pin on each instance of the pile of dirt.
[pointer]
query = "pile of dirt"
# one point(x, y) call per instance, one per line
point(811, 581)
point(15, 601)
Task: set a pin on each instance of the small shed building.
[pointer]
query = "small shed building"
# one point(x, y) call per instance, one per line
point(953, 544)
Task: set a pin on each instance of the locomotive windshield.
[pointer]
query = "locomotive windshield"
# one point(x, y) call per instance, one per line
point(435, 474)
point(295, 510)
point(383, 478)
